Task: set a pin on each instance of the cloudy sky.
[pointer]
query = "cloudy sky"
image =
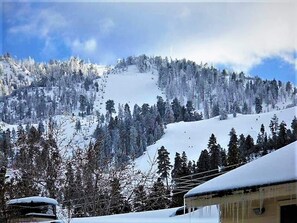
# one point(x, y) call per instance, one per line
point(258, 38)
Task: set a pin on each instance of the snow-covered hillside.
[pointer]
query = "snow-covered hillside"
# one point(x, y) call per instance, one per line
point(132, 87)
point(192, 137)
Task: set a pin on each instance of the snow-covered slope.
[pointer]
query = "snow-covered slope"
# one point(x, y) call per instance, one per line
point(192, 137)
point(131, 87)
point(205, 215)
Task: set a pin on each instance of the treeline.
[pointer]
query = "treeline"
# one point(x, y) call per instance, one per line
point(213, 91)
point(34, 91)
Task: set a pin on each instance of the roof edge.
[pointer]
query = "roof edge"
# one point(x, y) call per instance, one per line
point(228, 191)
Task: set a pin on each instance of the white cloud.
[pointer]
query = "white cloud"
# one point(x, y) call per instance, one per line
point(41, 23)
point(85, 48)
point(247, 34)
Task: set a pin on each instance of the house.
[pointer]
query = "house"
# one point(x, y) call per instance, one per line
point(263, 190)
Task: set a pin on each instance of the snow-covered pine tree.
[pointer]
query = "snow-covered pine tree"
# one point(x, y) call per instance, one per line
point(164, 165)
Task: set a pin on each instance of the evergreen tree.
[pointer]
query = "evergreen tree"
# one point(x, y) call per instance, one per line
point(164, 165)
point(110, 106)
point(294, 129)
point(158, 196)
point(176, 108)
point(116, 198)
point(69, 186)
point(214, 153)
point(215, 110)
point(245, 109)
point(190, 111)
point(242, 148)
point(223, 156)
point(203, 163)
point(176, 173)
point(161, 106)
point(233, 152)
point(140, 199)
point(250, 148)
point(274, 127)
point(258, 105)
point(282, 138)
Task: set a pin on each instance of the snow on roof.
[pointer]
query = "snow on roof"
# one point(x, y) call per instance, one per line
point(35, 199)
point(274, 168)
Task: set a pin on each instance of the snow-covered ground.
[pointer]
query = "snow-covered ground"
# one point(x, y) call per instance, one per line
point(192, 137)
point(203, 215)
point(132, 87)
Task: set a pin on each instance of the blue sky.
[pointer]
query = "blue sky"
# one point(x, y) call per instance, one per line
point(257, 38)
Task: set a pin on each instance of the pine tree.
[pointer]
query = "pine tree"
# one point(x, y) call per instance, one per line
point(258, 105)
point(245, 109)
point(203, 163)
point(69, 186)
point(190, 111)
point(110, 106)
point(158, 196)
point(242, 148)
point(214, 153)
point(176, 173)
point(294, 129)
point(140, 199)
point(176, 108)
point(161, 106)
point(250, 148)
point(223, 156)
point(233, 152)
point(117, 202)
point(282, 138)
point(274, 127)
point(164, 165)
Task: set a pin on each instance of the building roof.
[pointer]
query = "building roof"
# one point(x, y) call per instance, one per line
point(35, 199)
point(277, 167)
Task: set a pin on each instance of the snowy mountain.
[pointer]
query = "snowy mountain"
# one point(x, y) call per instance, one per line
point(103, 127)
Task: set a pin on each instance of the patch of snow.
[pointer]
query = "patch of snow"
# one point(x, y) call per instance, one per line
point(205, 215)
point(132, 87)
